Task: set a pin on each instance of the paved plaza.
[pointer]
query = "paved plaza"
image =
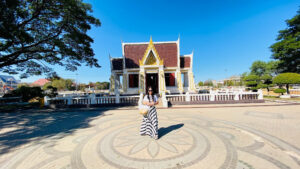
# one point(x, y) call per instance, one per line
point(241, 136)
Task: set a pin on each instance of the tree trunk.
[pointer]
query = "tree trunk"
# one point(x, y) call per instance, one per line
point(287, 89)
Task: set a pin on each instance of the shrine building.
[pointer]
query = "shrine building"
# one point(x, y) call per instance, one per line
point(156, 64)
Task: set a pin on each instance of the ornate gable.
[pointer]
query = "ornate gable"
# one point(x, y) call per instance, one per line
point(151, 56)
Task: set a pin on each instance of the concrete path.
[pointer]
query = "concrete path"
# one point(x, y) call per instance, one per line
point(235, 137)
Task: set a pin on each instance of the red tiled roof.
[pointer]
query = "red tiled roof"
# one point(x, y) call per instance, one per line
point(40, 82)
point(185, 62)
point(117, 64)
point(166, 51)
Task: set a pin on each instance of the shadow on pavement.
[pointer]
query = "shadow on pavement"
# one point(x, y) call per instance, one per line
point(165, 130)
point(20, 128)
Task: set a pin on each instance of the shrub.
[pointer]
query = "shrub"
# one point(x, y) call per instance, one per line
point(26, 93)
point(279, 90)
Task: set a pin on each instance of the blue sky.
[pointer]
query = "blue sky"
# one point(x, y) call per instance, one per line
point(226, 35)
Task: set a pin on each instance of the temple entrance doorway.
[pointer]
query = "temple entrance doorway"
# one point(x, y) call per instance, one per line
point(152, 80)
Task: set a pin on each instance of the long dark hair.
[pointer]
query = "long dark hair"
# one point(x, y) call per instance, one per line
point(148, 95)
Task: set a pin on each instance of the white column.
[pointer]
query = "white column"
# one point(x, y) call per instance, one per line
point(161, 80)
point(179, 81)
point(142, 80)
point(141, 99)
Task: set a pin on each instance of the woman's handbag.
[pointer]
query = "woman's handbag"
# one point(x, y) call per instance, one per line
point(143, 110)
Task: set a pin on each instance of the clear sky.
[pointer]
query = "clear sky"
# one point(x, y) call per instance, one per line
point(226, 35)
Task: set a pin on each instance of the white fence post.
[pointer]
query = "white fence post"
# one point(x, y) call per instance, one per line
point(164, 100)
point(117, 97)
point(46, 101)
point(260, 94)
point(236, 95)
point(187, 97)
point(93, 98)
point(69, 100)
point(212, 96)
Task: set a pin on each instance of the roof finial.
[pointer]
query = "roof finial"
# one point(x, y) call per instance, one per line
point(151, 42)
point(178, 36)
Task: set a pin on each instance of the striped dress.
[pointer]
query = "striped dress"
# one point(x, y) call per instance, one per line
point(149, 124)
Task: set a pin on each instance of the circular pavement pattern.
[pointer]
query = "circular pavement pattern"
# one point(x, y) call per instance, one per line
point(186, 140)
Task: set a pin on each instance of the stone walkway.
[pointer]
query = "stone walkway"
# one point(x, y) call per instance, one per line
point(260, 137)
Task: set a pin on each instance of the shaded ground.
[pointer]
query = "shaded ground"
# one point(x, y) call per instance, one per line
point(26, 126)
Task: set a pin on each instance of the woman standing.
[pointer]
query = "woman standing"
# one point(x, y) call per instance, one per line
point(149, 124)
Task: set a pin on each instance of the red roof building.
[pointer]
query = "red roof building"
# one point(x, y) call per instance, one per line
point(40, 82)
point(155, 64)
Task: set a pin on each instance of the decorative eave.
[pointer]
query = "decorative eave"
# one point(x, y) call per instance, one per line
point(151, 47)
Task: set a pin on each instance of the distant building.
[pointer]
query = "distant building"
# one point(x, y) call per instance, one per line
point(40, 82)
point(234, 79)
point(7, 83)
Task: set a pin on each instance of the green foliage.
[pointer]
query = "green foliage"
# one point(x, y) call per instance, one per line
point(101, 85)
point(81, 87)
point(51, 91)
point(228, 83)
point(200, 83)
point(279, 90)
point(287, 78)
point(286, 50)
point(23, 84)
point(54, 32)
point(258, 68)
point(45, 87)
point(61, 84)
point(261, 68)
point(26, 93)
point(252, 81)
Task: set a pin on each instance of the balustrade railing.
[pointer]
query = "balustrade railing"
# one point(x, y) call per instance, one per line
point(92, 99)
point(135, 100)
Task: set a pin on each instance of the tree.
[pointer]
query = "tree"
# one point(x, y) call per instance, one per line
point(26, 93)
point(261, 68)
point(51, 91)
point(200, 83)
point(101, 85)
point(258, 68)
point(280, 90)
point(37, 34)
point(61, 84)
point(265, 82)
point(286, 50)
point(228, 83)
point(287, 79)
point(252, 82)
